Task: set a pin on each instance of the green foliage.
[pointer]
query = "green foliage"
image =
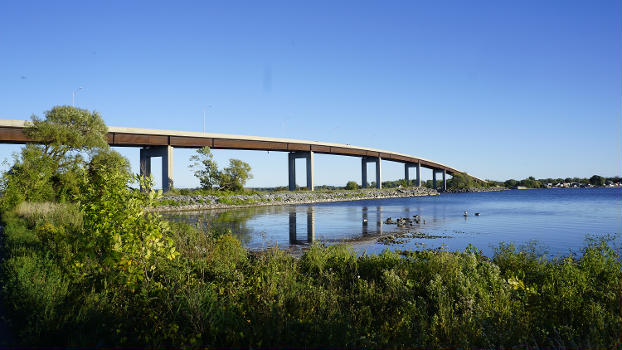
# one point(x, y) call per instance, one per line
point(352, 185)
point(597, 180)
point(461, 181)
point(205, 168)
point(511, 183)
point(397, 183)
point(237, 201)
point(234, 177)
point(67, 129)
point(123, 240)
point(231, 178)
point(216, 294)
point(53, 169)
point(30, 178)
point(530, 182)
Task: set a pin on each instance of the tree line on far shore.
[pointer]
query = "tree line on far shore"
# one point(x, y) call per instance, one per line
point(463, 181)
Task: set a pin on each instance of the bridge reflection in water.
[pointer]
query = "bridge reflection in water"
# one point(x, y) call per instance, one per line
point(292, 225)
point(370, 219)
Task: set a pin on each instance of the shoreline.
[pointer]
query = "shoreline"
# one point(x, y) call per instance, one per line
point(210, 202)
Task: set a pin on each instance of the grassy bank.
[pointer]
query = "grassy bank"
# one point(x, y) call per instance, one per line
point(217, 294)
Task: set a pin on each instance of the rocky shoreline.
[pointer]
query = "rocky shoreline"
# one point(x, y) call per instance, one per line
point(202, 202)
point(478, 189)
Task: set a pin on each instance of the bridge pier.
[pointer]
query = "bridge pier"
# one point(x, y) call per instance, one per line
point(364, 162)
point(407, 166)
point(166, 152)
point(444, 184)
point(291, 157)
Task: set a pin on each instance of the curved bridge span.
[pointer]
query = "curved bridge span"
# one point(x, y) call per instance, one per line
point(160, 143)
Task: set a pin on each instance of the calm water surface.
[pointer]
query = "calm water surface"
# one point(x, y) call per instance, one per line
point(557, 219)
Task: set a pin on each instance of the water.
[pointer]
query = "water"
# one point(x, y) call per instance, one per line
point(557, 219)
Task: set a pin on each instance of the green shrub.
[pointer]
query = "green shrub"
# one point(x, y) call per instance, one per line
point(37, 289)
point(352, 185)
point(217, 294)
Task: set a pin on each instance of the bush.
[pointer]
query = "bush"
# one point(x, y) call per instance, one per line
point(352, 185)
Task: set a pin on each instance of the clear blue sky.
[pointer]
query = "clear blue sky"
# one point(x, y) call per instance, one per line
point(498, 89)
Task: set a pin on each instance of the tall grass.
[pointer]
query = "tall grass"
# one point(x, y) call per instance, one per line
point(58, 214)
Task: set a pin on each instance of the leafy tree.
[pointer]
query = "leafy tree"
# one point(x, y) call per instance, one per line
point(461, 181)
point(352, 185)
point(531, 182)
point(28, 179)
point(205, 168)
point(109, 162)
point(597, 180)
point(68, 129)
point(53, 167)
point(510, 183)
point(234, 177)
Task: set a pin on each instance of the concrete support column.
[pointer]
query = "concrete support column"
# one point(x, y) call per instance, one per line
point(145, 163)
point(406, 177)
point(166, 153)
point(378, 173)
point(291, 161)
point(444, 181)
point(378, 162)
point(363, 172)
point(434, 178)
point(418, 181)
point(310, 171)
point(167, 168)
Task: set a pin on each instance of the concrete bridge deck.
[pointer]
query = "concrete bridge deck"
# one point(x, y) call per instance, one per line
point(159, 143)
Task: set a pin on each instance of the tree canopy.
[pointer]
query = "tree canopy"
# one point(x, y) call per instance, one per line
point(231, 178)
point(66, 129)
point(53, 167)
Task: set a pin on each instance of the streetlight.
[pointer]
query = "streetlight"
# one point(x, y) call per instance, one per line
point(73, 96)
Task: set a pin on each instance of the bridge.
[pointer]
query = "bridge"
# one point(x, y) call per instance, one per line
point(161, 143)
